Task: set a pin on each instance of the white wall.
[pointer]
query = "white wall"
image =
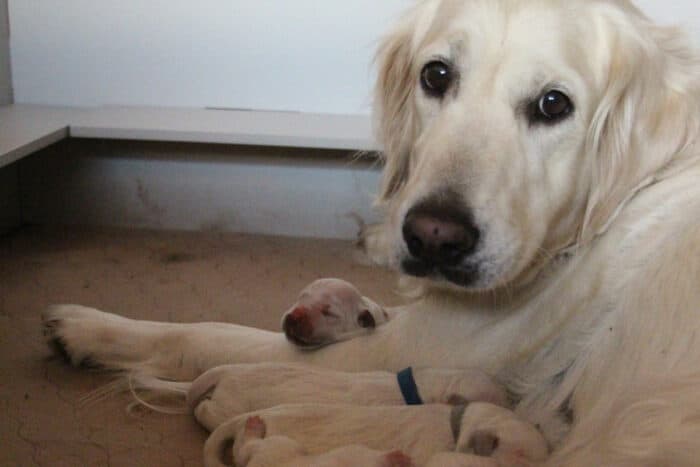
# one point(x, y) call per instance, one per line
point(307, 55)
point(9, 194)
point(684, 13)
point(5, 75)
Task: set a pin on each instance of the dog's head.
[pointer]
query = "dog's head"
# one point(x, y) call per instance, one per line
point(514, 128)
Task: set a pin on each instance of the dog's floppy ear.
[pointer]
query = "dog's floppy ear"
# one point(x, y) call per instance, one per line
point(394, 110)
point(647, 115)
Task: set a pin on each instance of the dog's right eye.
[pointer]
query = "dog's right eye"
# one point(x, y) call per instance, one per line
point(436, 78)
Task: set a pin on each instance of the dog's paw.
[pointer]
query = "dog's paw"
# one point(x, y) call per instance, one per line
point(73, 332)
point(373, 245)
point(62, 326)
point(330, 310)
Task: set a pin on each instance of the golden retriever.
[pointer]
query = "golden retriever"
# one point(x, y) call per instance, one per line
point(542, 183)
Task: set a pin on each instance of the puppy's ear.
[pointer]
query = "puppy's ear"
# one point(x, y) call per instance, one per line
point(647, 113)
point(394, 110)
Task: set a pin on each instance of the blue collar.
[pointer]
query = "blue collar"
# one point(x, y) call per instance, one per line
point(408, 387)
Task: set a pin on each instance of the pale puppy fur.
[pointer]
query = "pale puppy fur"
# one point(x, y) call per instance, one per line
point(418, 431)
point(230, 390)
point(235, 391)
point(254, 448)
point(586, 301)
point(332, 308)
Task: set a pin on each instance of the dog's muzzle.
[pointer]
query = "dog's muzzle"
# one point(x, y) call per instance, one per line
point(440, 236)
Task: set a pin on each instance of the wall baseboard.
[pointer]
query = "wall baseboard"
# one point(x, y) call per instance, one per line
point(10, 216)
point(276, 191)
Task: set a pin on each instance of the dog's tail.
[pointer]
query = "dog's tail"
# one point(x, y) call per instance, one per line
point(158, 394)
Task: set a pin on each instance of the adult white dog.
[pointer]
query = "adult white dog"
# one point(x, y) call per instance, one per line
point(542, 179)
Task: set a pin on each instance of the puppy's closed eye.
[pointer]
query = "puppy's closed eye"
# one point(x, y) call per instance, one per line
point(366, 320)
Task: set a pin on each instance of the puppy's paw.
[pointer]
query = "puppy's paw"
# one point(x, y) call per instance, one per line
point(483, 443)
point(373, 245)
point(491, 431)
point(255, 427)
point(396, 459)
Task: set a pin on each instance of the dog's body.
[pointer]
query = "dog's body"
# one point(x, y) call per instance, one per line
point(542, 177)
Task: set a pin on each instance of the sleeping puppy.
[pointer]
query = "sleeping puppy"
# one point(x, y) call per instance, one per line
point(230, 390)
point(422, 431)
point(256, 449)
point(331, 310)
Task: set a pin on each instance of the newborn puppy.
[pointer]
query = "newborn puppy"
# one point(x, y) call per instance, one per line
point(422, 431)
point(255, 449)
point(331, 310)
point(230, 390)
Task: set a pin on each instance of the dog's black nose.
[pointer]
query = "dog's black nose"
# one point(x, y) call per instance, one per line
point(438, 233)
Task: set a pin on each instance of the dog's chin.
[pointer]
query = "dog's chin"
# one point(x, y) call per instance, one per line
point(466, 277)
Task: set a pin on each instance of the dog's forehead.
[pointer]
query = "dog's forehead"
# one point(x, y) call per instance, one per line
point(537, 40)
point(498, 30)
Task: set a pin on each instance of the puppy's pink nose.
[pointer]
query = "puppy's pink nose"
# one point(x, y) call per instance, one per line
point(297, 326)
point(397, 459)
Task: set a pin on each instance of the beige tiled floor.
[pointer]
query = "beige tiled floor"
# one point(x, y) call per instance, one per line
point(153, 275)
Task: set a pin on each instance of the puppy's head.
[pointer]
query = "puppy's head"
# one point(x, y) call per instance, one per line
point(512, 129)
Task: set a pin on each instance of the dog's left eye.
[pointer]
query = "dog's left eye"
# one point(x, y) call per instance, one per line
point(551, 107)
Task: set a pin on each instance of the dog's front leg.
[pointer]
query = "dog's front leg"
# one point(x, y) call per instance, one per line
point(91, 338)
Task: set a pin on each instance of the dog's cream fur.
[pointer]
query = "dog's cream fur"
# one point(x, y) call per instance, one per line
point(587, 301)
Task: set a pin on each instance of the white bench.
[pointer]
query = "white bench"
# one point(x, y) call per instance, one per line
point(307, 190)
point(25, 129)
